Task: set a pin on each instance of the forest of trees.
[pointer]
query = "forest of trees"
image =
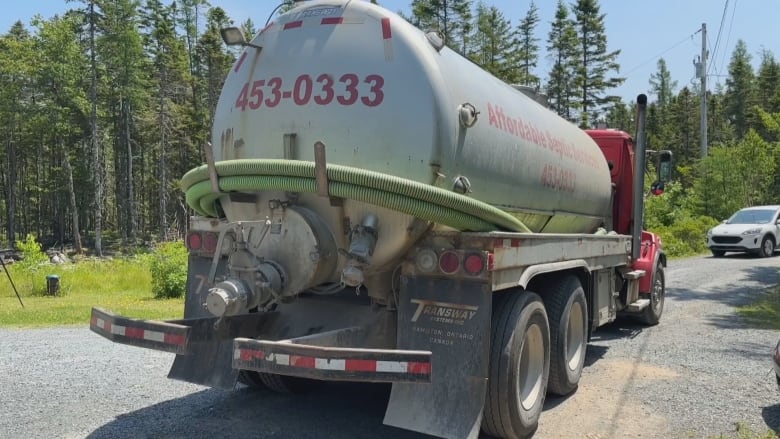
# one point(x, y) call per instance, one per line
point(104, 108)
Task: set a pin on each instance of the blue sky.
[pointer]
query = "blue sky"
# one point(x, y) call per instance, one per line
point(642, 30)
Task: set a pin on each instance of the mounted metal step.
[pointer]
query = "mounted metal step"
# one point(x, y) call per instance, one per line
point(639, 305)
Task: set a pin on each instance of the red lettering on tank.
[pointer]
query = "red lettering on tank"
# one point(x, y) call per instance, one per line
point(559, 178)
point(492, 116)
point(347, 89)
point(563, 148)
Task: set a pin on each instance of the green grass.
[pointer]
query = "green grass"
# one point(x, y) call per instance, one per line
point(764, 312)
point(120, 285)
point(744, 432)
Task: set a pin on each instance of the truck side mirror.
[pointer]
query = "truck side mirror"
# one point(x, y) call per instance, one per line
point(657, 188)
point(664, 166)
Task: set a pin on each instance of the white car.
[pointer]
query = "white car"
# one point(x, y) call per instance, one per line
point(750, 230)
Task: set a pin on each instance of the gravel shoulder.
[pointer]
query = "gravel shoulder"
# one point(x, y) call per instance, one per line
point(693, 376)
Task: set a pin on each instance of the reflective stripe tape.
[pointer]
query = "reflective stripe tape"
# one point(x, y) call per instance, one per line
point(391, 366)
point(361, 365)
point(386, 32)
point(174, 339)
point(118, 330)
point(336, 364)
point(505, 243)
point(154, 336)
point(325, 364)
point(139, 333)
point(280, 359)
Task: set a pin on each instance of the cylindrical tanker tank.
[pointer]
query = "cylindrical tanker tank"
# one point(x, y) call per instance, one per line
point(383, 96)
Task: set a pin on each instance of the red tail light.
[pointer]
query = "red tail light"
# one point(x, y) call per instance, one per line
point(194, 241)
point(449, 262)
point(474, 264)
point(210, 242)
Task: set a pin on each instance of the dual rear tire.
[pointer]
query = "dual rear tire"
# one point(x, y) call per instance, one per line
point(278, 383)
point(537, 346)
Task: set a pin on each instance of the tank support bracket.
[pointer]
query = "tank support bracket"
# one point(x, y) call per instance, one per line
point(321, 174)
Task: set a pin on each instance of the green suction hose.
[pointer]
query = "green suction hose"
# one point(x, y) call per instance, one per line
point(413, 198)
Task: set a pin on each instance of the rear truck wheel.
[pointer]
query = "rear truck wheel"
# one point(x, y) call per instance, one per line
point(519, 366)
point(718, 253)
point(250, 378)
point(651, 315)
point(288, 384)
point(567, 311)
point(767, 247)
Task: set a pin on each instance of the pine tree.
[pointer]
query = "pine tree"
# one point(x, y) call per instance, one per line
point(562, 51)
point(165, 115)
point(214, 61)
point(740, 90)
point(595, 62)
point(64, 110)
point(662, 85)
point(491, 43)
point(769, 82)
point(527, 47)
point(121, 49)
point(619, 116)
point(15, 71)
point(450, 18)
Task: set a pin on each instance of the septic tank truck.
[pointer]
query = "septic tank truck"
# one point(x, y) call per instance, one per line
point(375, 207)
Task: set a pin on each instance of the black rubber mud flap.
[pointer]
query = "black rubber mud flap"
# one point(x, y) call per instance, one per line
point(210, 363)
point(450, 318)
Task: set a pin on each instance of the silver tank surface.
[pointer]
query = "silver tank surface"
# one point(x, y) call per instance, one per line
point(382, 96)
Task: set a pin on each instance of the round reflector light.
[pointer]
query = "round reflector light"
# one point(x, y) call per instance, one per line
point(194, 241)
point(426, 260)
point(210, 241)
point(449, 262)
point(474, 264)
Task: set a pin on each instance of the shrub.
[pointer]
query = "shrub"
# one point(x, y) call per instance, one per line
point(168, 266)
point(686, 237)
point(34, 259)
point(32, 251)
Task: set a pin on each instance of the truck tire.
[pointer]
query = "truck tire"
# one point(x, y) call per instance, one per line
point(718, 253)
point(651, 315)
point(567, 311)
point(250, 378)
point(288, 384)
point(519, 365)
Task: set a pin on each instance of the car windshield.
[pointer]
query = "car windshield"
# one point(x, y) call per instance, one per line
point(752, 216)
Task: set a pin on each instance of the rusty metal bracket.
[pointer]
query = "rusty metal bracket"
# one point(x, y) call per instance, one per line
point(212, 167)
point(289, 143)
point(321, 174)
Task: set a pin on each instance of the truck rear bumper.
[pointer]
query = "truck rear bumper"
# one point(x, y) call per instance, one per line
point(159, 335)
point(339, 364)
point(302, 356)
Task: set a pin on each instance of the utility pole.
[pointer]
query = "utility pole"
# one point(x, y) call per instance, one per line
point(702, 71)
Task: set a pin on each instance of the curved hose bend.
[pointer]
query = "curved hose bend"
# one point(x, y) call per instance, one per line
point(413, 198)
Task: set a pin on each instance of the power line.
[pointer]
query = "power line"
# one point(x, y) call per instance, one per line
point(717, 40)
point(728, 35)
point(711, 63)
point(689, 37)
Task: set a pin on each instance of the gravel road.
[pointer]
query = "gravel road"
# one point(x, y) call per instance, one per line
point(693, 376)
